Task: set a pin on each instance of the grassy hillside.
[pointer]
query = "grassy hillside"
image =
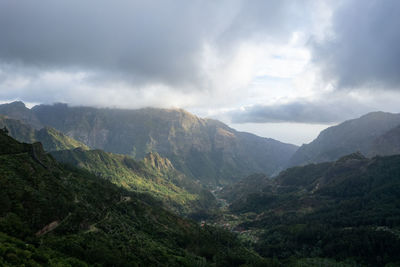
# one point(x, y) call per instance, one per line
point(70, 216)
point(154, 175)
point(50, 138)
point(348, 210)
point(203, 149)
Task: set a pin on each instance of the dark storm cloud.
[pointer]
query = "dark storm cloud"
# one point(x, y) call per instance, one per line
point(322, 111)
point(140, 41)
point(364, 50)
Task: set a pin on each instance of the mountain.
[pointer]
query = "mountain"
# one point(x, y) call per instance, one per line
point(203, 149)
point(19, 111)
point(348, 137)
point(52, 215)
point(50, 138)
point(154, 175)
point(347, 210)
point(386, 144)
point(251, 184)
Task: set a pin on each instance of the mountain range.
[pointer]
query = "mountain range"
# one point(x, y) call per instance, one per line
point(52, 215)
point(154, 175)
point(50, 138)
point(162, 187)
point(203, 149)
point(375, 133)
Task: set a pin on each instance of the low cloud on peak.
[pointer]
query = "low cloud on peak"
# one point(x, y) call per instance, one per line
point(330, 60)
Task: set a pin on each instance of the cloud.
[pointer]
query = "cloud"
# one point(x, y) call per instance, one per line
point(206, 56)
point(362, 50)
point(333, 109)
point(137, 42)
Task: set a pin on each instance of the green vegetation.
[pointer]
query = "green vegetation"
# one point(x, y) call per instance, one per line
point(154, 175)
point(95, 208)
point(53, 140)
point(15, 252)
point(50, 138)
point(203, 149)
point(369, 134)
point(347, 210)
point(52, 215)
point(249, 185)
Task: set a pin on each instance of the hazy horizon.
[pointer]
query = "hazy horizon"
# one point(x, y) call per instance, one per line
point(277, 130)
point(279, 69)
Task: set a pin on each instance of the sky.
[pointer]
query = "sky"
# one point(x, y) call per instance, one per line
point(284, 69)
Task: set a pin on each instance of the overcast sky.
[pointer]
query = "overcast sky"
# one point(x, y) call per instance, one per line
point(280, 69)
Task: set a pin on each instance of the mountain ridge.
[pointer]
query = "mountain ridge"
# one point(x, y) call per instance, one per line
point(153, 175)
point(346, 209)
point(387, 144)
point(203, 149)
point(347, 137)
point(52, 215)
point(50, 138)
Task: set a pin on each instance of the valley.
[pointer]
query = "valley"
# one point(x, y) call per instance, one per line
point(203, 149)
point(193, 192)
point(262, 133)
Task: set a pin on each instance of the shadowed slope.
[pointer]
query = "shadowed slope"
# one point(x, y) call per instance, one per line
point(154, 175)
point(348, 137)
point(203, 149)
point(69, 214)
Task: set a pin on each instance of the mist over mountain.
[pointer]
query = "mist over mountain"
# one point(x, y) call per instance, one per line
point(18, 110)
point(386, 144)
point(363, 134)
point(203, 149)
point(50, 138)
point(98, 170)
point(173, 160)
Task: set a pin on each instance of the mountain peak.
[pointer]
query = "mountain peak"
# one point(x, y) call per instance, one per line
point(377, 114)
point(17, 104)
point(346, 138)
point(204, 149)
point(14, 106)
point(18, 110)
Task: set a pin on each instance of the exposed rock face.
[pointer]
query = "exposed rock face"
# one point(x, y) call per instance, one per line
point(48, 228)
point(159, 163)
point(154, 175)
point(203, 149)
point(62, 208)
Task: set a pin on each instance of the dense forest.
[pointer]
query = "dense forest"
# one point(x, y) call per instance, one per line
point(64, 203)
point(348, 210)
point(200, 133)
point(55, 215)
